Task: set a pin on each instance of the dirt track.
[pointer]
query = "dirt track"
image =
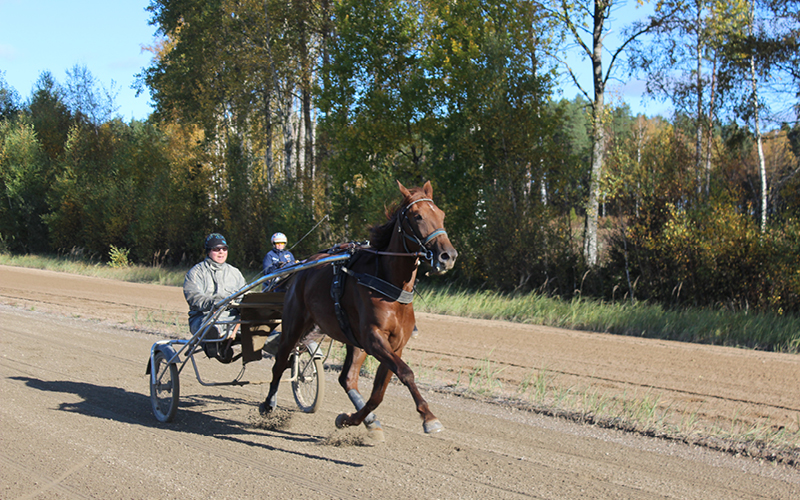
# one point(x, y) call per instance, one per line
point(76, 418)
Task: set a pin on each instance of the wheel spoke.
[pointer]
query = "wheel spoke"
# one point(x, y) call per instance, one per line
point(164, 392)
point(309, 385)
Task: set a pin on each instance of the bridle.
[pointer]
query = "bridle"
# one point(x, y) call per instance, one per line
point(415, 235)
point(386, 288)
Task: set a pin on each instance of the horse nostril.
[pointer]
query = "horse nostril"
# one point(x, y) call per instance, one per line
point(444, 257)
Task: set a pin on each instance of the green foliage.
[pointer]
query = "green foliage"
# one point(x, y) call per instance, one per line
point(147, 191)
point(246, 142)
point(49, 115)
point(118, 257)
point(9, 100)
point(449, 92)
point(24, 180)
point(713, 256)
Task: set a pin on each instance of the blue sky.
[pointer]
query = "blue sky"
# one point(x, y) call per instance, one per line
point(107, 37)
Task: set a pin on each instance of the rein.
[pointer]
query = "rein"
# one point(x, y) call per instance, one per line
point(394, 254)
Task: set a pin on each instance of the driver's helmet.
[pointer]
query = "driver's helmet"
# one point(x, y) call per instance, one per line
point(278, 238)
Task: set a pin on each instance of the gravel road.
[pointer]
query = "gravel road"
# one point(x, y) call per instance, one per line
point(77, 423)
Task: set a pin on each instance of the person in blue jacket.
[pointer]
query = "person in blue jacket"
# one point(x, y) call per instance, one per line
point(277, 258)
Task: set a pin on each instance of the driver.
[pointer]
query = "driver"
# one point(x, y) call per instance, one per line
point(277, 258)
point(209, 282)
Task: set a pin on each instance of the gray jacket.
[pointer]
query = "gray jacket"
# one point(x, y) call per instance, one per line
point(207, 283)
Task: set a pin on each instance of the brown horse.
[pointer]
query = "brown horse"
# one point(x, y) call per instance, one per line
point(376, 316)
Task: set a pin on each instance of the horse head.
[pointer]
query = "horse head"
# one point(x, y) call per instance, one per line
point(422, 223)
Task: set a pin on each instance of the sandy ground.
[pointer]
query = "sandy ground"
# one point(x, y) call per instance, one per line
point(77, 422)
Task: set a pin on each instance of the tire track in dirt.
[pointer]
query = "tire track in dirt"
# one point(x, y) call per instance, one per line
point(604, 379)
point(184, 439)
point(15, 294)
point(120, 312)
point(49, 484)
point(95, 355)
point(487, 456)
point(201, 446)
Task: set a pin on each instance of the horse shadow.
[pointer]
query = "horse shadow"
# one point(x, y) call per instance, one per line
point(115, 403)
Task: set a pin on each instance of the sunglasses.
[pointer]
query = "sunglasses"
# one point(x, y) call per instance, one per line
point(219, 249)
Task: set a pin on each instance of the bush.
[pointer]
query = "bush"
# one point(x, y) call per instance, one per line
point(711, 256)
point(118, 257)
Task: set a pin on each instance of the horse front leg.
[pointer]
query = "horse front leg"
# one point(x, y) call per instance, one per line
point(348, 379)
point(364, 412)
point(392, 363)
point(430, 424)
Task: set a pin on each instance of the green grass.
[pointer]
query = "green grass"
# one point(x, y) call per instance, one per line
point(156, 275)
point(541, 389)
point(765, 331)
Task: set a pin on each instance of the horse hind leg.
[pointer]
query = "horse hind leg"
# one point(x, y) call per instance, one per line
point(271, 402)
point(281, 363)
point(290, 336)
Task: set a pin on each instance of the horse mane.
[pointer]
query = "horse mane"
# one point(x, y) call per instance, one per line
point(381, 234)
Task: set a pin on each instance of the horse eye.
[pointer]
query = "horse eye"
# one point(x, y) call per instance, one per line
point(417, 217)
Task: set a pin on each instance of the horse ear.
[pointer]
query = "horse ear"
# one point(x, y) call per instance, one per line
point(405, 192)
point(428, 190)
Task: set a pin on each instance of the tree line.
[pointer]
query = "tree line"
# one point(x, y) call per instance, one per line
point(277, 115)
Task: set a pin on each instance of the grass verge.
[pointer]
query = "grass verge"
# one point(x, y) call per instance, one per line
point(765, 331)
point(643, 413)
point(756, 330)
point(156, 275)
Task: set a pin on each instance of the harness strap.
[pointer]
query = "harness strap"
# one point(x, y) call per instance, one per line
point(383, 287)
point(337, 290)
point(427, 240)
point(415, 235)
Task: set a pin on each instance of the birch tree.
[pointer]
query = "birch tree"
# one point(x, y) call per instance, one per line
point(586, 27)
point(763, 38)
point(679, 64)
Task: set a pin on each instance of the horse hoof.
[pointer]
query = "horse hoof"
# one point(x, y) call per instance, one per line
point(341, 420)
point(374, 432)
point(264, 409)
point(433, 426)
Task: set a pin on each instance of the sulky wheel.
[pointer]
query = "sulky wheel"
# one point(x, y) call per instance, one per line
point(309, 386)
point(165, 392)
